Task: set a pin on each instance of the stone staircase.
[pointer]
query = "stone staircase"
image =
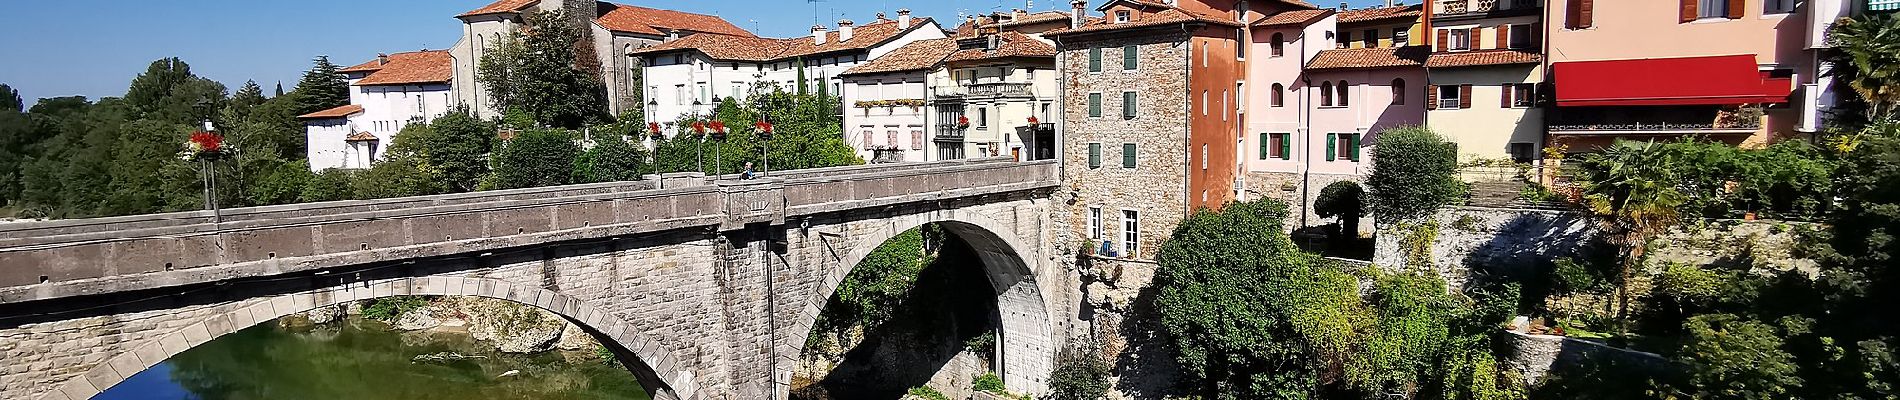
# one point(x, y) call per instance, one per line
point(1494, 194)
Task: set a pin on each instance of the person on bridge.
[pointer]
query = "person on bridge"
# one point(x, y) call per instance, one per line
point(748, 173)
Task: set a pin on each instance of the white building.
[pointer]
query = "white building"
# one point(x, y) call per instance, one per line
point(386, 94)
point(616, 30)
point(887, 114)
point(687, 76)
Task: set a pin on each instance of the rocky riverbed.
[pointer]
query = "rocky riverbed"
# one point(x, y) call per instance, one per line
point(509, 327)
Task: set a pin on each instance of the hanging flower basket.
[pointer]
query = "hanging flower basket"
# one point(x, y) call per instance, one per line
point(699, 128)
point(963, 122)
point(1032, 121)
point(204, 145)
point(764, 129)
point(718, 130)
point(653, 128)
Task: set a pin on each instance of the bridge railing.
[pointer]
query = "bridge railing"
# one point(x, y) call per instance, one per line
point(98, 256)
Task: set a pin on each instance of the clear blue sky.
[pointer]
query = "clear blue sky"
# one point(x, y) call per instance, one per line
point(94, 47)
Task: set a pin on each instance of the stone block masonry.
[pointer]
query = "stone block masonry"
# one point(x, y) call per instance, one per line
point(1155, 188)
point(698, 307)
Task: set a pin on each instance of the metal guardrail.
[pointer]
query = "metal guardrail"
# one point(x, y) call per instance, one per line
point(1663, 126)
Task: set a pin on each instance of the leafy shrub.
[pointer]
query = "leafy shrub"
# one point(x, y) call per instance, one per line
point(1414, 171)
point(537, 158)
point(1081, 373)
point(927, 393)
point(1733, 358)
point(388, 309)
point(981, 344)
point(989, 382)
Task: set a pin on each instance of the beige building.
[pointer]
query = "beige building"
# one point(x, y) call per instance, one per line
point(1484, 76)
point(999, 96)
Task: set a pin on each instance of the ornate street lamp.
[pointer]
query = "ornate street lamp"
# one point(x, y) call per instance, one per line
point(206, 147)
point(765, 145)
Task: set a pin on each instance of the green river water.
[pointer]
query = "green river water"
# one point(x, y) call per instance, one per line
point(364, 360)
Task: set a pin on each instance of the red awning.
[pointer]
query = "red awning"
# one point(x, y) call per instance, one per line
point(1717, 80)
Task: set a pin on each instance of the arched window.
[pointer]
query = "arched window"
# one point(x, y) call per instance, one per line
point(1398, 91)
point(1277, 97)
point(1342, 94)
point(1325, 94)
point(1279, 44)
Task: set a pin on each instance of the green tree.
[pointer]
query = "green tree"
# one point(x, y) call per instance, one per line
point(612, 159)
point(321, 88)
point(1633, 194)
point(1414, 171)
point(168, 91)
point(1343, 199)
point(1867, 49)
point(454, 147)
point(544, 72)
point(1081, 373)
point(327, 185)
point(537, 158)
point(1732, 358)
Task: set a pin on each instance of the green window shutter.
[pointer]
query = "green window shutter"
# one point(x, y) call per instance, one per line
point(1332, 146)
point(1355, 147)
point(1095, 155)
point(1128, 155)
point(1129, 56)
point(1095, 105)
point(1128, 105)
point(1286, 146)
point(1266, 139)
point(1095, 60)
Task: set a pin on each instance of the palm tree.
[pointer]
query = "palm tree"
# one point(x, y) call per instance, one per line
point(1635, 199)
point(1866, 56)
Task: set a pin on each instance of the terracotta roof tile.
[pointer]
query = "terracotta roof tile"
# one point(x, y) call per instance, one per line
point(727, 47)
point(338, 112)
point(1380, 13)
point(1481, 58)
point(360, 137)
point(1165, 17)
point(1011, 44)
point(918, 55)
point(1034, 18)
point(501, 6)
point(427, 66)
point(1293, 18)
point(1378, 57)
point(652, 21)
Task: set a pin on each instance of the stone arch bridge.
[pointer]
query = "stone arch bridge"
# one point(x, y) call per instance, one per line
point(706, 288)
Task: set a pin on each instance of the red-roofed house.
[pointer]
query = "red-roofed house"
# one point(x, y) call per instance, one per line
point(387, 93)
point(886, 115)
point(616, 30)
point(1485, 71)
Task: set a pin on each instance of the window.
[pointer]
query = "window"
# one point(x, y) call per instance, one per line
point(1777, 6)
point(1398, 91)
point(916, 139)
point(1240, 97)
point(1712, 8)
point(1278, 45)
point(1095, 60)
point(1522, 152)
point(1203, 103)
point(1401, 37)
point(1371, 39)
point(1448, 96)
point(1130, 55)
point(679, 92)
point(1240, 49)
point(1128, 105)
point(1342, 146)
point(1521, 36)
point(1276, 146)
point(1345, 39)
point(890, 139)
point(1095, 155)
point(1121, 16)
point(1277, 96)
point(1095, 105)
point(1224, 111)
point(1459, 39)
point(1128, 155)
point(1519, 95)
point(1203, 156)
point(705, 92)
point(737, 88)
point(1325, 94)
point(867, 139)
point(1131, 233)
point(1095, 223)
point(1343, 94)
point(982, 118)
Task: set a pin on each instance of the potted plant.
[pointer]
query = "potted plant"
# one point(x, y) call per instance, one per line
point(963, 121)
point(1032, 120)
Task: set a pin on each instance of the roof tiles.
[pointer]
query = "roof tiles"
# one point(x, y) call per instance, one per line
point(918, 55)
point(652, 21)
point(1380, 13)
point(427, 66)
point(1482, 58)
point(1010, 44)
point(1377, 57)
point(1292, 18)
point(338, 112)
point(727, 47)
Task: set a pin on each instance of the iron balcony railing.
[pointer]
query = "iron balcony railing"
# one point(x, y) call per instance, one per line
point(1657, 127)
point(1002, 89)
point(949, 133)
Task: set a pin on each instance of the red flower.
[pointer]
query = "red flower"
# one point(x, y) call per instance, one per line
point(653, 127)
point(763, 126)
point(207, 142)
point(1032, 119)
point(699, 128)
point(719, 126)
point(963, 121)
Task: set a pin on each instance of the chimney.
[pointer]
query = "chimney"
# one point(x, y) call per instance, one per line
point(818, 35)
point(1016, 14)
point(672, 34)
point(1388, 3)
point(1343, 6)
point(382, 59)
point(1080, 14)
point(844, 30)
point(993, 42)
point(903, 18)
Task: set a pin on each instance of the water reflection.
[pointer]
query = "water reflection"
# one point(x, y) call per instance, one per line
point(362, 359)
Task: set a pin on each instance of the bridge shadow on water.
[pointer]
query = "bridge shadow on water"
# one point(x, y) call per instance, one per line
point(951, 303)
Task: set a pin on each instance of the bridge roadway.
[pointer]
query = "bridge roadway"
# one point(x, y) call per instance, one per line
point(706, 288)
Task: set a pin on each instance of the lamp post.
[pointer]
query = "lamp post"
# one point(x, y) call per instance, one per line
point(206, 147)
point(699, 142)
point(718, 135)
point(765, 146)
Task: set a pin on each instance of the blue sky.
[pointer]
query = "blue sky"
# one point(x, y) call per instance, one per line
point(94, 47)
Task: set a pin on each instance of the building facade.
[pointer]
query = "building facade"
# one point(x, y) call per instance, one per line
point(1485, 72)
point(386, 94)
point(1003, 84)
point(614, 31)
point(887, 116)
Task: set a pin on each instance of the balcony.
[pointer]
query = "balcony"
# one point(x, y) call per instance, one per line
point(949, 133)
point(1484, 7)
point(1655, 128)
point(985, 90)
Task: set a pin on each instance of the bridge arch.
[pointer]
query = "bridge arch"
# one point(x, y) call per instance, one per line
point(1025, 344)
point(648, 360)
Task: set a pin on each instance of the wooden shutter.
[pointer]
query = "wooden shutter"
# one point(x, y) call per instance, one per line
point(1128, 155)
point(1444, 35)
point(867, 141)
point(1477, 39)
point(1286, 146)
point(1354, 143)
point(916, 140)
point(1464, 96)
point(1431, 97)
point(1735, 8)
point(1266, 140)
point(1095, 105)
point(1130, 55)
point(1689, 11)
point(1128, 105)
point(1095, 155)
point(1505, 96)
point(1587, 13)
point(1573, 14)
point(1504, 36)
point(1332, 146)
point(1095, 59)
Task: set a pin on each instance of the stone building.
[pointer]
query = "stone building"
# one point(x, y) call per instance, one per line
point(688, 76)
point(886, 116)
point(615, 31)
point(1485, 72)
point(386, 94)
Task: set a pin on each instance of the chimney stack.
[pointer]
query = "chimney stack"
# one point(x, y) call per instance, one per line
point(1343, 6)
point(818, 35)
point(1388, 3)
point(844, 30)
point(903, 18)
point(382, 59)
point(1080, 14)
